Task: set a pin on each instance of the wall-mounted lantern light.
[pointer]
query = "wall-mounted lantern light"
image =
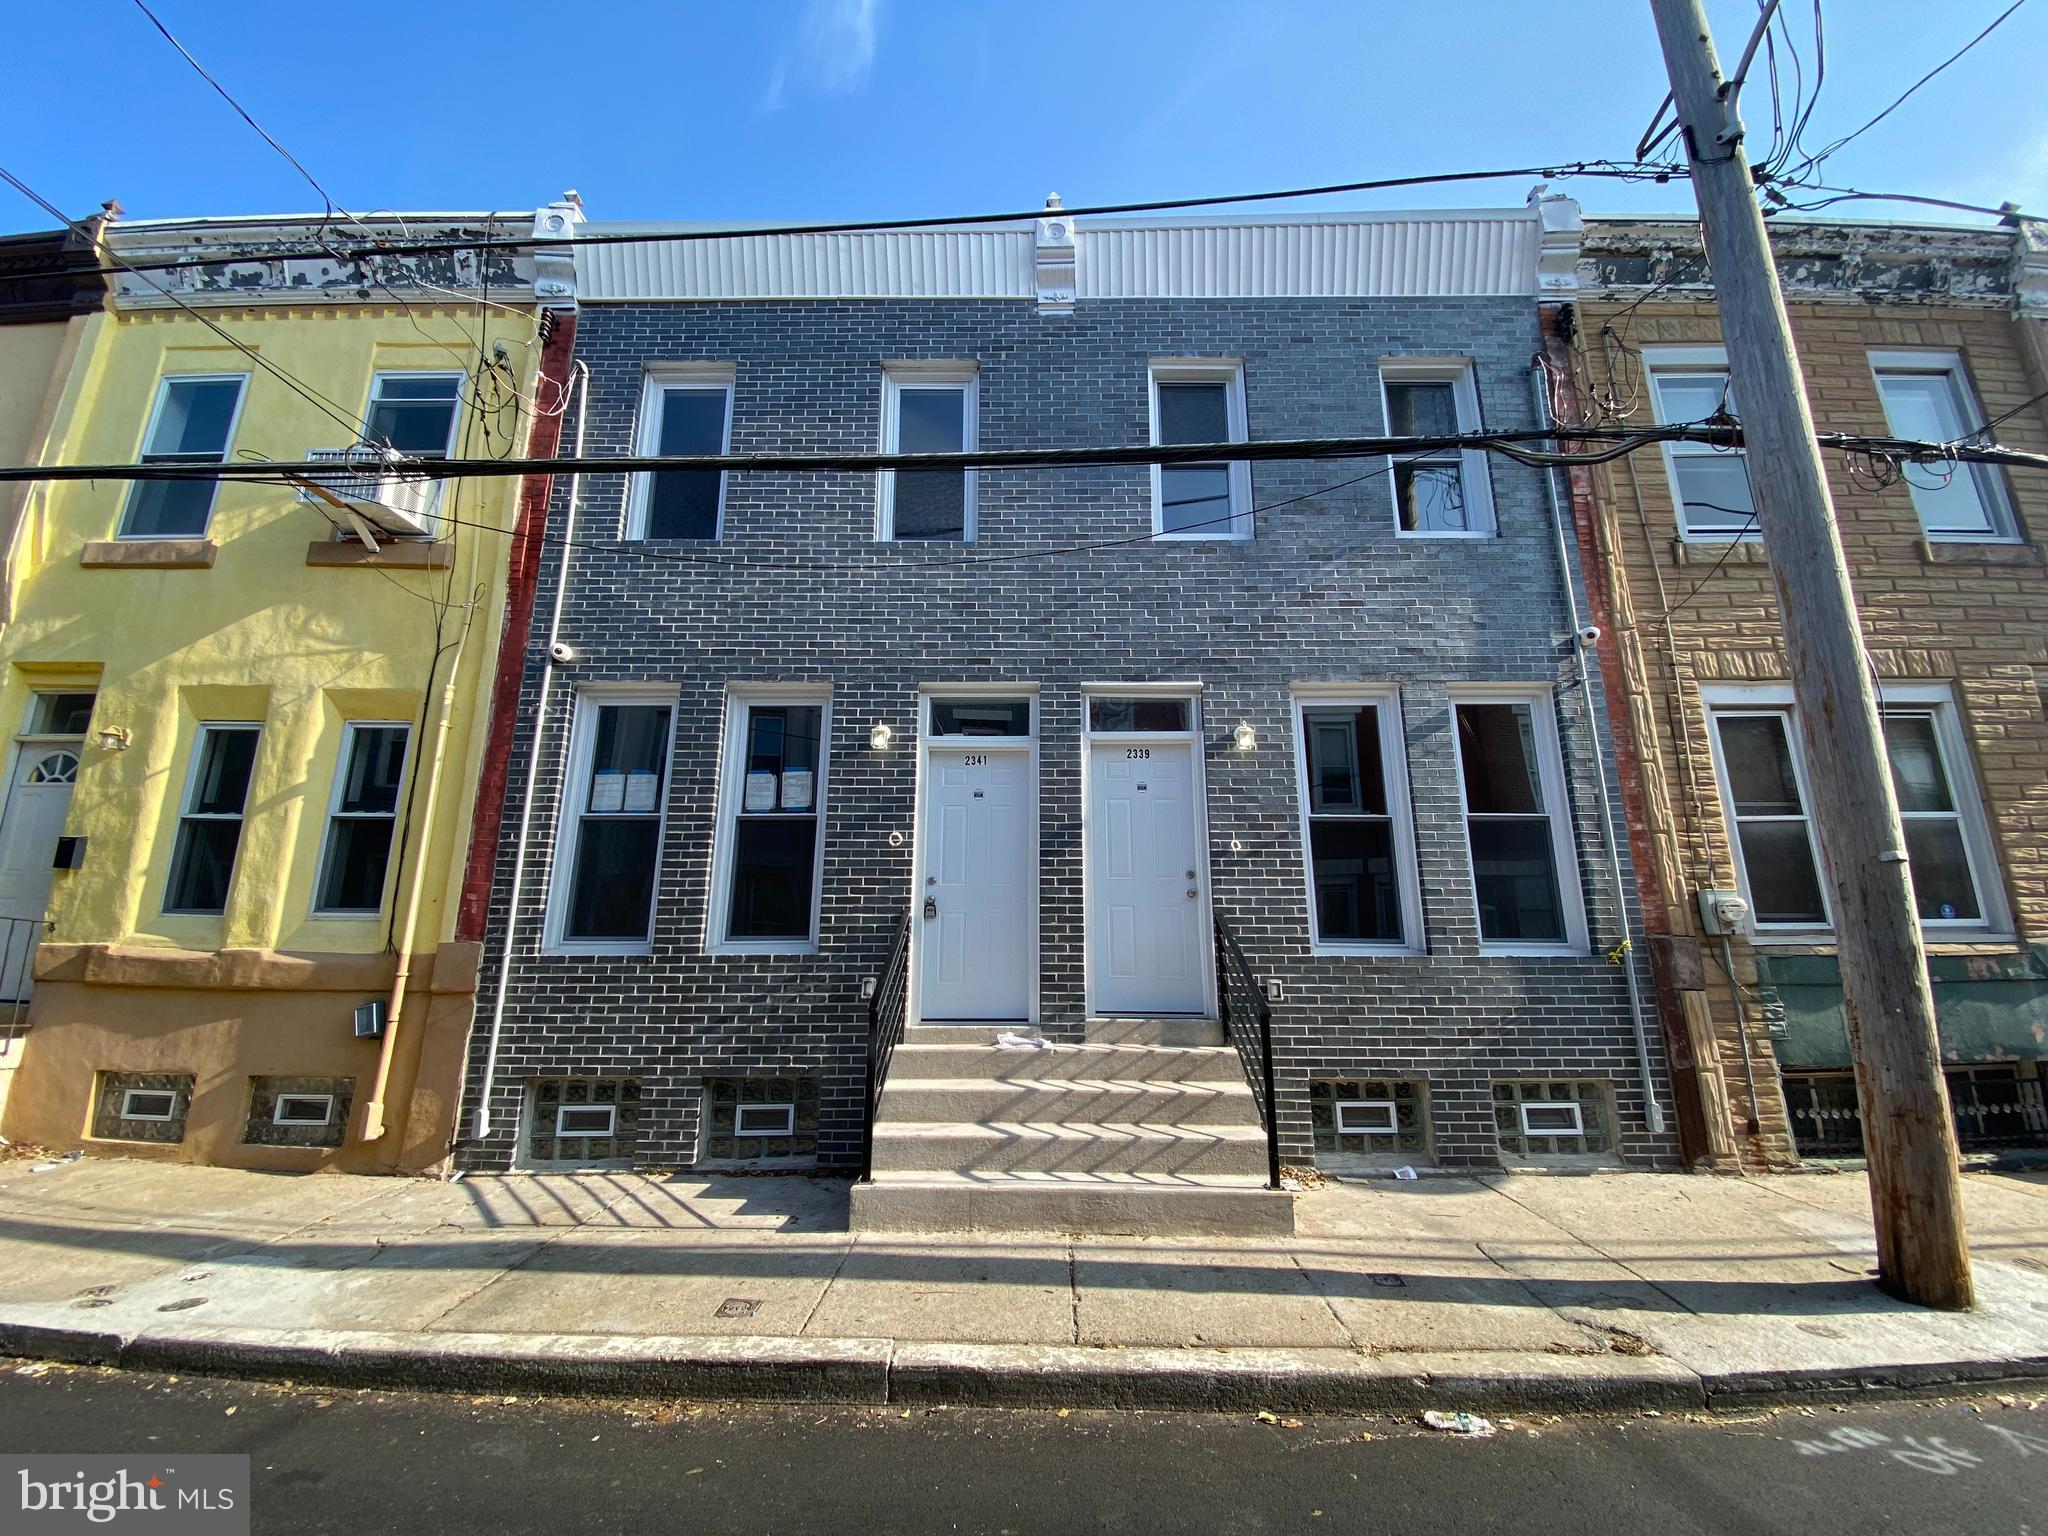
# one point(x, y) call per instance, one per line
point(115, 738)
point(1245, 737)
point(879, 736)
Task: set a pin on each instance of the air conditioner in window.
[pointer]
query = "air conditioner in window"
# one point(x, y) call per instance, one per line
point(385, 488)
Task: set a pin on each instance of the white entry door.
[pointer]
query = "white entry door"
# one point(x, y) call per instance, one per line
point(1145, 878)
point(37, 801)
point(974, 918)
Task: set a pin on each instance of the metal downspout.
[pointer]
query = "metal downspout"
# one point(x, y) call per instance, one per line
point(1653, 1111)
point(481, 1126)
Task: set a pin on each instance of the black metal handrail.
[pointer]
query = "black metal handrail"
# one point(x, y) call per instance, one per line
point(888, 1006)
point(1242, 1002)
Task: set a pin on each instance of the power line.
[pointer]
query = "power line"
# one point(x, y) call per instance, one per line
point(298, 386)
point(1900, 100)
point(1557, 171)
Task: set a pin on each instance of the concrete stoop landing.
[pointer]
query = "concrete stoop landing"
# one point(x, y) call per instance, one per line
point(1148, 1128)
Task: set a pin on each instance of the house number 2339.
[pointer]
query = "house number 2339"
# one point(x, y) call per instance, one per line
point(1137, 752)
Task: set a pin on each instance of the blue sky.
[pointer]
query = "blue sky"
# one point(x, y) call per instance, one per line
point(831, 109)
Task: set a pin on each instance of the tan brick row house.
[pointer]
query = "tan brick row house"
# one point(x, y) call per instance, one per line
point(1911, 330)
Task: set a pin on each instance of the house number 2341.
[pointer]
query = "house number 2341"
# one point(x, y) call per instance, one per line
point(977, 759)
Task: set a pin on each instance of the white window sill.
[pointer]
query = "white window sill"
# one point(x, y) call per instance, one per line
point(1488, 951)
point(596, 951)
point(1201, 538)
point(1366, 951)
point(762, 947)
point(1930, 934)
point(1468, 533)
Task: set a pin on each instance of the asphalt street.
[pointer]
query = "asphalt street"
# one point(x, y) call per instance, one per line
point(374, 1461)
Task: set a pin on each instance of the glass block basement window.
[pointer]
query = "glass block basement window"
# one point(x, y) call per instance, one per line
point(1368, 1116)
point(584, 1120)
point(760, 1119)
point(1553, 1118)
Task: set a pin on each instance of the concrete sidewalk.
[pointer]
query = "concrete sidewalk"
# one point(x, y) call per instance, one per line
point(1613, 1291)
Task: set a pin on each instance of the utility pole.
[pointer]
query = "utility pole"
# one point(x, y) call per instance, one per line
point(1909, 1138)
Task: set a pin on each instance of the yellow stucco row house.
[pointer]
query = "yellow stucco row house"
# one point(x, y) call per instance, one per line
point(250, 719)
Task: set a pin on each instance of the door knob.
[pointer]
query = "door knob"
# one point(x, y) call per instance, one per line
point(931, 907)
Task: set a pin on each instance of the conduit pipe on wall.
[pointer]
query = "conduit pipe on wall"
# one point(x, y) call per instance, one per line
point(481, 1126)
point(1653, 1111)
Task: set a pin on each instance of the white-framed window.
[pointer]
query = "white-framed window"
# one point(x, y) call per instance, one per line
point(210, 820)
point(586, 1119)
point(193, 422)
point(768, 855)
point(303, 1109)
point(1357, 831)
point(1525, 871)
point(615, 805)
point(1556, 1118)
point(685, 408)
point(362, 814)
point(1709, 485)
point(1366, 1117)
point(928, 408)
point(1927, 395)
point(764, 1120)
point(1764, 779)
point(415, 413)
point(149, 1104)
point(1197, 400)
point(1447, 493)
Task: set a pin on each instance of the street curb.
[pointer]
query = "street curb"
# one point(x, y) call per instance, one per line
point(872, 1372)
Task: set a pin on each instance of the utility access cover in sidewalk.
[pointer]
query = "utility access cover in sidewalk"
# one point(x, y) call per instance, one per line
point(734, 1306)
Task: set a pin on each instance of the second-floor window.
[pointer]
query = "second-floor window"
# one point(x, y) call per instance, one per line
point(414, 413)
point(1200, 402)
point(928, 409)
point(1764, 783)
point(1709, 485)
point(361, 819)
point(1445, 491)
point(684, 410)
point(193, 423)
point(1927, 396)
point(210, 821)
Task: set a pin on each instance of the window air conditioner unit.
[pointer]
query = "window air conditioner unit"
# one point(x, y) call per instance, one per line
point(382, 486)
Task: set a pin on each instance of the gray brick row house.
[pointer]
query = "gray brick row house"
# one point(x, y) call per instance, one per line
point(1057, 720)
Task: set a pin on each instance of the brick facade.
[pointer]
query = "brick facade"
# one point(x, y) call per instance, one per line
point(799, 591)
point(1973, 617)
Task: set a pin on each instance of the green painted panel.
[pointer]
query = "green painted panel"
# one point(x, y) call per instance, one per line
point(1990, 1007)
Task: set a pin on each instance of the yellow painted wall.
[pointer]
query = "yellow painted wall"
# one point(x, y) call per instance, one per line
point(260, 636)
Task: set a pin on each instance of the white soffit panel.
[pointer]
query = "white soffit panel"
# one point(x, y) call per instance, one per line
point(1334, 257)
point(992, 263)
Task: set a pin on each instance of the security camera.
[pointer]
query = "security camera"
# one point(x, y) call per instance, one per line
point(1590, 635)
point(562, 652)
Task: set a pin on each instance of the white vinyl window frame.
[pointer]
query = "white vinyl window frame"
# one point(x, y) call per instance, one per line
point(186, 814)
point(655, 384)
point(1568, 1108)
point(324, 1100)
point(574, 805)
point(1353, 1113)
point(384, 376)
point(1557, 809)
point(1228, 372)
point(1386, 699)
point(896, 378)
point(732, 771)
point(1474, 472)
point(1993, 494)
point(1659, 364)
point(784, 1125)
point(129, 1112)
point(145, 455)
point(565, 1112)
point(1994, 922)
point(336, 814)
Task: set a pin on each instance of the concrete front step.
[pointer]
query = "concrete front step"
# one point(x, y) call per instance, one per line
point(964, 1034)
point(1097, 1149)
point(1222, 1207)
point(1095, 1063)
point(1067, 1101)
point(1119, 1030)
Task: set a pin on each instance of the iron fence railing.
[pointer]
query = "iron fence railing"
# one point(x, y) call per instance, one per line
point(1994, 1107)
point(888, 1006)
point(19, 937)
point(1248, 1025)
